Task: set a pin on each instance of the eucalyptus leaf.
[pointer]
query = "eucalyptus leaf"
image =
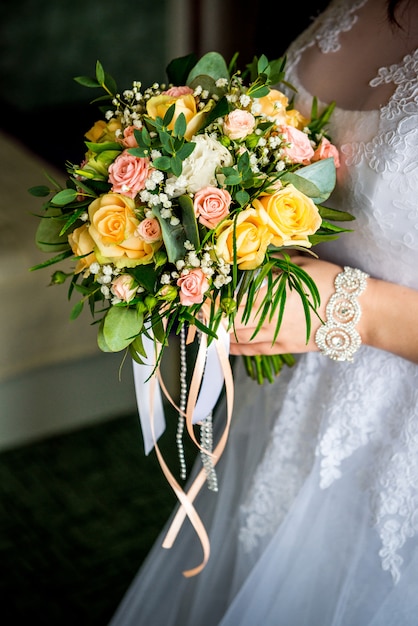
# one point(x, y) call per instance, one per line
point(48, 237)
point(120, 326)
point(316, 180)
point(211, 64)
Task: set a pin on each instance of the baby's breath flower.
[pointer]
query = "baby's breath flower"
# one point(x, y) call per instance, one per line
point(166, 213)
point(244, 100)
point(221, 82)
point(95, 268)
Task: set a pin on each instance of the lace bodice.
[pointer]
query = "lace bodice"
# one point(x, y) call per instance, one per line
point(338, 414)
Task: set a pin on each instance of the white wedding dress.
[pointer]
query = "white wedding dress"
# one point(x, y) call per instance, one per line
point(316, 518)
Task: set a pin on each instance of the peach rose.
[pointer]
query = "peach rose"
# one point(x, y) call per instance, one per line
point(274, 105)
point(124, 287)
point(128, 174)
point(157, 106)
point(211, 205)
point(326, 150)
point(82, 244)
point(128, 140)
point(299, 149)
point(176, 92)
point(252, 238)
point(149, 230)
point(193, 286)
point(239, 124)
point(289, 215)
point(113, 228)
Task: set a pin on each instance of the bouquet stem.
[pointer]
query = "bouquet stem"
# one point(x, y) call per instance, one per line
point(267, 367)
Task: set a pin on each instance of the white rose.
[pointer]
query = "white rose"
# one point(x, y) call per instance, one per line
point(199, 169)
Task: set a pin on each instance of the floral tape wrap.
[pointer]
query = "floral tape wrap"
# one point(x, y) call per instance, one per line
point(338, 337)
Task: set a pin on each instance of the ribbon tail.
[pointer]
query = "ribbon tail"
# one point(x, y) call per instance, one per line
point(199, 481)
point(148, 397)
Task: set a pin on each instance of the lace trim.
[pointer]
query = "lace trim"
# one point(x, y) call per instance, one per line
point(327, 34)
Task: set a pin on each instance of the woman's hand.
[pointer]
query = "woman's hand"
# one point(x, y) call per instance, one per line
point(292, 334)
point(388, 320)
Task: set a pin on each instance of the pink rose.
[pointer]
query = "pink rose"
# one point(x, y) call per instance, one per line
point(149, 230)
point(128, 174)
point(211, 205)
point(129, 140)
point(326, 150)
point(176, 92)
point(238, 124)
point(299, 149)
point(124, 287)
point(193, 286)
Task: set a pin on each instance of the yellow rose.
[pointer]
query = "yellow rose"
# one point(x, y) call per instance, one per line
point(157, 106)
point(251, 240)
point(274, 105)
point(296, 119)
point(289, 215)
point(103, 131)
point(113, 228)
point(81, 243)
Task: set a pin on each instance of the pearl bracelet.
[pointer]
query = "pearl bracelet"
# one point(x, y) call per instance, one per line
point(338, 338)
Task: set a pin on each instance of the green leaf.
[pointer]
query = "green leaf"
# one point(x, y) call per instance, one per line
point(176, 166)
point(76, 310)
point(39, 191)
point(169, 114)
point(101, 147)
point(66, 196)
point(178, 69)
point(86, 81)
point(186, 150)
point(316, 180)
point(162, 163)
point(120, 326)
point(188, 219)
point(145, 275)
point(100, 74)
point(48, 238)
point(180, 125)
point(334, 214)
point(242, 197)
point(55, 259)
point(211, 64)
point(174, 236)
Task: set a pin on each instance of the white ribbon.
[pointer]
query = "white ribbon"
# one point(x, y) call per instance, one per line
point(148, 389)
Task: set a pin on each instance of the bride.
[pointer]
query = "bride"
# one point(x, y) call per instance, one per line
point(316, 518)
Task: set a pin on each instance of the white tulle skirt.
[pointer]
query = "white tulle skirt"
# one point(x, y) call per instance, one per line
point(319, 563)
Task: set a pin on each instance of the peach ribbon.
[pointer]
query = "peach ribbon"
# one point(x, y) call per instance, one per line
point(153, 426)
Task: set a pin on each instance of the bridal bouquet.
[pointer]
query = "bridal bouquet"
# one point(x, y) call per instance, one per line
point(185, 205)
point(187, 199)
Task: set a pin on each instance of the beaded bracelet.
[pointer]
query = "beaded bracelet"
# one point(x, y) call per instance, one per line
point(338, 338)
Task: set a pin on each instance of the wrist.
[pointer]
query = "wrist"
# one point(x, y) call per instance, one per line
point(339, 338)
